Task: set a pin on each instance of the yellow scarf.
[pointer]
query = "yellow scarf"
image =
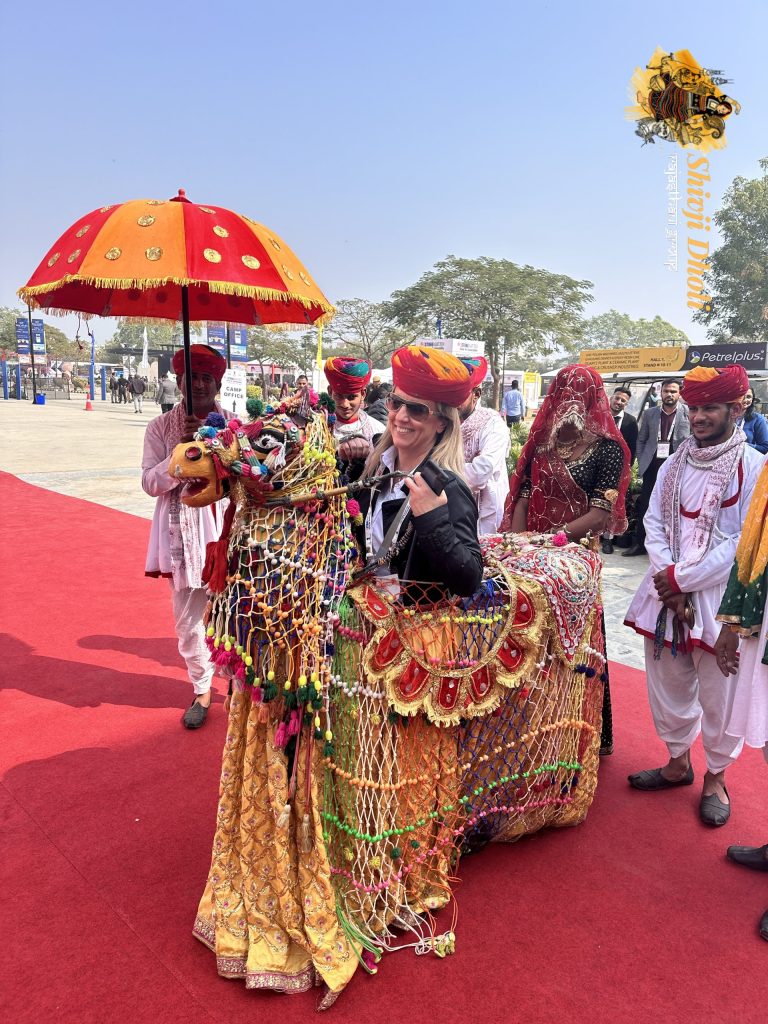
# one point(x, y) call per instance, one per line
point(752, 552)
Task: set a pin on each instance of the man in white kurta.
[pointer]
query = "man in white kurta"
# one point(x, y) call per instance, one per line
point(354, 431)
point(742, 649)
point(179, 534)
point(485, 437)
point(692, 529)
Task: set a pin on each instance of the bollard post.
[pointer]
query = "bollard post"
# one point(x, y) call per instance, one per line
point(103, 376)
point(5, 380)
point(91, 383)
point(18, 381)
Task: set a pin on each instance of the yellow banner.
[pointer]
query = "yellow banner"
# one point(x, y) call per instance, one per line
point(633, 360)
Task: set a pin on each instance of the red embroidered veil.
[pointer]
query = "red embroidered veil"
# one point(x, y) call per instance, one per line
point(577, 396)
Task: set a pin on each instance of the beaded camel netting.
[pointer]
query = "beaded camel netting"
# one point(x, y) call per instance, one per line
point(375, 735)
point(458, 723)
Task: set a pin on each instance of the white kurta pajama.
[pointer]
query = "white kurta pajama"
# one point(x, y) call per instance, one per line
point(749, 715)
point(486, 441)
point(688, 694)
point(176, 550)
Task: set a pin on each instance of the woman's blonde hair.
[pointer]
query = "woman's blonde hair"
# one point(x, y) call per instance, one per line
point(448, 451)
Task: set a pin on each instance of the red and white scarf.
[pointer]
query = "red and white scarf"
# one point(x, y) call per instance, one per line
point(720, 461)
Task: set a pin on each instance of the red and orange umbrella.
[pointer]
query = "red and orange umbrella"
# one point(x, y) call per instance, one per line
point(176, 260)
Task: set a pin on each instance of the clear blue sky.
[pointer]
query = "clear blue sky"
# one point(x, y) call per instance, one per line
point(375, 138)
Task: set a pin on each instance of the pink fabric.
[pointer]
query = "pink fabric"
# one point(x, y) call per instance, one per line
point(721, 462)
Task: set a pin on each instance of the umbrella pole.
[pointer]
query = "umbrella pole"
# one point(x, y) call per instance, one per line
point(187, 353)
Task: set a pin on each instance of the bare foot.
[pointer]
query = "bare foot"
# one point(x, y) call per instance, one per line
point(715, 784)
point(204, 699)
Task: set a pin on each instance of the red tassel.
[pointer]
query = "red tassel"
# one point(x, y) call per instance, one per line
point(215, 568)
point(221, 471)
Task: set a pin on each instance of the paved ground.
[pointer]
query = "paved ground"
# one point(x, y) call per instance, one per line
point(96, 456)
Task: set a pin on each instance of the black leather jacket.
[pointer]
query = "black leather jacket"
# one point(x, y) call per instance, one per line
point(443, 545)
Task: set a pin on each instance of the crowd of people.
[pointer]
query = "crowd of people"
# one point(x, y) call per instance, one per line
point(429, 461)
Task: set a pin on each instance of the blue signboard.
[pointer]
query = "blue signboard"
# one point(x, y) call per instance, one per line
point(217, 338)
point(22, 336)
point(238, 341)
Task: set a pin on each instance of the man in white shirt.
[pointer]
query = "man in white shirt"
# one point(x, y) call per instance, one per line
point(354, 431)
point(179, 534)
point(692, 529)
point(486, 446)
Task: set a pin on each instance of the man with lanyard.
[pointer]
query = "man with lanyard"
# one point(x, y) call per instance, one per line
point(486, 446)
point(692, 529)
point(179, 534)
point(354, 431)
point(513, 404)
point(627, 425)
point(662, 429)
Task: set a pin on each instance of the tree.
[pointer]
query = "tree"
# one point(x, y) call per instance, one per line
point(128, 339)
point(362, 328)
point(526, 313)
point(618, 330)
point(57, 344)
point(738, 276)
point(275, 348)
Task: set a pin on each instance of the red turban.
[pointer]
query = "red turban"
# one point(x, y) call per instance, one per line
point(707, 386)
point(431, 374)
point(347, 375)
point(204, 360)
point(478, 368)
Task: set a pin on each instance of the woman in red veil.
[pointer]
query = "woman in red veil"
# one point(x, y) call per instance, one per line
point(572, 474)
point(573, 471)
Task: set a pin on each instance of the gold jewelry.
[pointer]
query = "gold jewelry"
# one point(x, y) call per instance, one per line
point(565, 449)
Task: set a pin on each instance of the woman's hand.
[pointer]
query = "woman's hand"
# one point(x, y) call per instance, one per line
point(727, 652)
point(423, 498)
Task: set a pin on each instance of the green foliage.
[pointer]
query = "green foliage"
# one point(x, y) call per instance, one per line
point(275, 348)
point(537, 313)
point(57, 344)
point(618, 330)
point(518, 435)
point(365, 329)
point(738, 277)
point(128, 338)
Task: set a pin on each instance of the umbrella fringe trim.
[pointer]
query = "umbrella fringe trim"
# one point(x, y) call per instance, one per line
point(29, 294)
point(149, 320)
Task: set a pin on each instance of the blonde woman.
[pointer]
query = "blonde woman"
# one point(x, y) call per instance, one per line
point(422, 527)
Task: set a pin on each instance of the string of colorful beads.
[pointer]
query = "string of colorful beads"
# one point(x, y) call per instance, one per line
point(394, 786)
point(441, 843)
point(356, 688)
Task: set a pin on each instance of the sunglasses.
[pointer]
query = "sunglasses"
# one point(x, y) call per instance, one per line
point(415, 410)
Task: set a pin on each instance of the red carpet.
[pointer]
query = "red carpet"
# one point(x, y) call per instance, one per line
point(108, 810)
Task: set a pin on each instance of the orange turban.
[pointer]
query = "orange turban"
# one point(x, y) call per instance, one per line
point(707, 386)
point(478, 368)
point(204, 360)
point(431, 374)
